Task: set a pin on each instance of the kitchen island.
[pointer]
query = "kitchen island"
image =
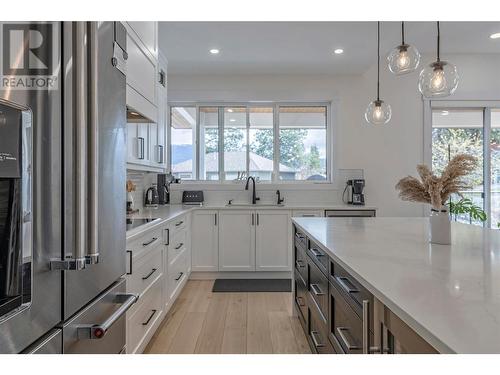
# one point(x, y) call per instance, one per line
point(448, 295)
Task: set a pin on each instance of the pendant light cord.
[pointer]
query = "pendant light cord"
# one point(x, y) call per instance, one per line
point(403, 33)
point(438, 42)
point(378, 60)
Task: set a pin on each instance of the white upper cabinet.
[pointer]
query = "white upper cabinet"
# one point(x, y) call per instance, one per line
point(205, 241)
point(141, 74)
point(148, 33)
point(236, 240)
point(272, 241)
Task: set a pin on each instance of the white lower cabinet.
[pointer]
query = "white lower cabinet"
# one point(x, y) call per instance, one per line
point(272, 241)
point(236, 240)
point(158, 267)
point(205, 241)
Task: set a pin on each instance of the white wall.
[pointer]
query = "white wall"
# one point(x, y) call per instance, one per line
point(386, 153)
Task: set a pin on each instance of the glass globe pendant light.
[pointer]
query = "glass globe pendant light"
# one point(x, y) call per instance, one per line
point(404, 58)
point(440, 78)
point(378, 112)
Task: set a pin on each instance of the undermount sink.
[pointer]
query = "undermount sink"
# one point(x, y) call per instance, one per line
point(254, 205)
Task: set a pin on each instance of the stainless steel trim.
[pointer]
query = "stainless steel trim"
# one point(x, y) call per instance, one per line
point(92, 255)
point(345, 340)
point(366, 327)
point(140, 146)
point(344, 285)
point(98, 331)
point(317, 290)
point(316, 252)
point(316, 343)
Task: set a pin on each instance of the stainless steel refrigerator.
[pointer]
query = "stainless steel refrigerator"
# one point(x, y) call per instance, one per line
point(62, 196)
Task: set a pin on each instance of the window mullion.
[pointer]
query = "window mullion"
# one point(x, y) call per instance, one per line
point(196, 134)
point(276, 143)
point(487, 163)
point(220, 116)
point(248, 140)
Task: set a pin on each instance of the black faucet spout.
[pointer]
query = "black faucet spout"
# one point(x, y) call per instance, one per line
point(254, 195)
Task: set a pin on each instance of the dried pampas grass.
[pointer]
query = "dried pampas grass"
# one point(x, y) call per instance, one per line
point(436, 190)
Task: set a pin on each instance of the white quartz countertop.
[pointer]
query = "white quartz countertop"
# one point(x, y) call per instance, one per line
point(450, 295)
point(170, 212)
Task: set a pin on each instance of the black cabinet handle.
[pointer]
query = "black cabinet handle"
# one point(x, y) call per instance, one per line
point(168, 237)
point(299, 236)
point(179, 223)
point(153, 312)
point(317, 290)
point(179, 277)
point(300, 301)
point(149, 274)
point(257, 219)
point(252, 220)
point(345, 283)
point(215, 219)
point(129, 262)
point(179, 246)
point(150, 242)
point(299, 263)
point(141, 148)
point(316, 343)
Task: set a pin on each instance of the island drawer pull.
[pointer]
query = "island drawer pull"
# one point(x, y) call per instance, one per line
point(153, 312)
point(154, 239)
point(179, 223)
point(343, 281)
point(345, 340)
point(179, 277)
point(299, 236)
point(300, 301)
point(316, 252)
point(149, 274)
point(317, 290)
point(179, 246)
point(317, 344)
point(299, 263)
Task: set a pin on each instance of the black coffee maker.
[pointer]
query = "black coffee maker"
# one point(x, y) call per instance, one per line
point(164, 181)
point(356, 196)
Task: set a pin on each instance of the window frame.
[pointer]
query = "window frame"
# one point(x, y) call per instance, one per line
point(486, 106)
point(276, 155)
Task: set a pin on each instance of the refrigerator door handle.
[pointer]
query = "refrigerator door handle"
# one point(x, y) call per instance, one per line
point(98, 331)
point(92, 256)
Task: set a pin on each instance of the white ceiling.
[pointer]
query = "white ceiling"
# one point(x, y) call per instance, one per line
point(307, 47)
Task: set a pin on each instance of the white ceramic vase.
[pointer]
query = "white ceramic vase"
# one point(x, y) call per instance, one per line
point(440, 227)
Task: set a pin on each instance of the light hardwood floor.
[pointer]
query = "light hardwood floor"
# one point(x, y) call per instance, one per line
point(234, 323)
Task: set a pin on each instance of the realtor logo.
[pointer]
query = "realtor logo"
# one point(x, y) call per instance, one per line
point(29, 56)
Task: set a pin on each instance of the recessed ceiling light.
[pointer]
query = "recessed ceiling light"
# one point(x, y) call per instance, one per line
point(230, 110)
point(495, 36)
point(445, 113)
point(338, 51)
point(214, 51)
point(232, 120)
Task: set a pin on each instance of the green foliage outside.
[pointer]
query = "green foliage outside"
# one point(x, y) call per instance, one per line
point(466, 206)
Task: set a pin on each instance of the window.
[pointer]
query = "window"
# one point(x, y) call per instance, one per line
point(475, 131)
point(271, 142)
point(182, 140)
point(302, 139)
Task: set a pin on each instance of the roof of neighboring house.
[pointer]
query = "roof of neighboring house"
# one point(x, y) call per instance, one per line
point(233, 162)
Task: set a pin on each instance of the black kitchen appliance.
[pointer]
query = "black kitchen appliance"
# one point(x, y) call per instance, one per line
point(192, 197)
point(164, 181)
point(354, 188)
point(151, 198)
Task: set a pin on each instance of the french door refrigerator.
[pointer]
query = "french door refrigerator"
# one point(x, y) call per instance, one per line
point(62, 196)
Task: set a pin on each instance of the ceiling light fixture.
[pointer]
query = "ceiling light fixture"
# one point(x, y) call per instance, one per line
point(338, 51)
point(214, 51)
point(230, 110)
point(404, 58)
point(378, 112)
point(495, 36)
point(440, 78)
point(445, 113)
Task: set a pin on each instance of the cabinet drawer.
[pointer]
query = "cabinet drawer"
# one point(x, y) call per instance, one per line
point(345, 326)
point(300, 295)
point(307, 213)
point(144, 316)
point(317, 333)
point(319, 257)
point(178, 225)
point(177, 245)
point(146, 242)
point(144, 271)
point(318, 288)
point(353, 291)
point(177, 273)
point(301, 262)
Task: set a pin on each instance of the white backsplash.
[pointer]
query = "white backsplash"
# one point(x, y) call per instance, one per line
point(142, 181)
